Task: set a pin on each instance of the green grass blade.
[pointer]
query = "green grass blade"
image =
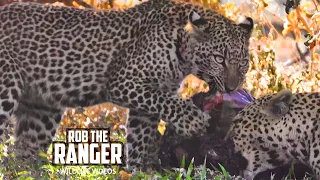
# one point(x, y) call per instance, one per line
point(224, 172)
point(204, 169)
point(190, 168)
point(183, 162)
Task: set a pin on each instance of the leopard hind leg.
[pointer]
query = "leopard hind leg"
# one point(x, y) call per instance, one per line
point(37, 123)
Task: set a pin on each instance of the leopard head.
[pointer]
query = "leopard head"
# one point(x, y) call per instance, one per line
point(220, 54)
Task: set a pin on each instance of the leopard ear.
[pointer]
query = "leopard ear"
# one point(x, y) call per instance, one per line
point(195, 26)
point(278, 105)
point(195, 19)
point(246, 23)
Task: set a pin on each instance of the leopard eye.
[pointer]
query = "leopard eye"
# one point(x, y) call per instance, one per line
point(219, 59)
point(243, 63)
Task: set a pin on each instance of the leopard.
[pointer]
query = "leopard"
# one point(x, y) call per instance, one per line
point(279, 129)
point(55, 57)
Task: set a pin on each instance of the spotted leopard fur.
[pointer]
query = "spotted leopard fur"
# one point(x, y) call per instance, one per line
point(53, 58)
point(277, 130)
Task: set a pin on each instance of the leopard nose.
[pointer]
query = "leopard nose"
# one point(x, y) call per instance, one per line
point(229, 89)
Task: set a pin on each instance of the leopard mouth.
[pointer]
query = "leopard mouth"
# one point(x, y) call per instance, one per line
point(214, 83)
point(212, 100)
